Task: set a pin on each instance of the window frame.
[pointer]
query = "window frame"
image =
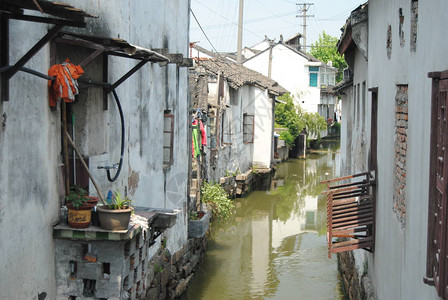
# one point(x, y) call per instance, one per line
point(314, 70)
point(252, 124)
point(168, 114)
point(226, 129)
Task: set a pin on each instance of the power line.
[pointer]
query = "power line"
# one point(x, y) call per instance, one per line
point(204, 32)
point(229, 20)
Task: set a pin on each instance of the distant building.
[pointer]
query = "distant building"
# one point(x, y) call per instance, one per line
point(309, 80)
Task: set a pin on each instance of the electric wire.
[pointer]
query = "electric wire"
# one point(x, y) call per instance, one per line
point(194, 16)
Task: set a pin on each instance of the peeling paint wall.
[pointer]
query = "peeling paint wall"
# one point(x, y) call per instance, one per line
point(30, 140)
point(399, 262)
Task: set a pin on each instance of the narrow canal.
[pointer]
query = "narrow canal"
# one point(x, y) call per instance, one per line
point(274, 246)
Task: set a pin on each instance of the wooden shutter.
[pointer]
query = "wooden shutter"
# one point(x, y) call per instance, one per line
point(437, 260)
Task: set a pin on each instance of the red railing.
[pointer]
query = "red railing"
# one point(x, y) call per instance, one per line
point(350, 213)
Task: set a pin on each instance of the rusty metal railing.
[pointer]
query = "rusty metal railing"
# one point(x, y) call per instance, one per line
point(350, 213)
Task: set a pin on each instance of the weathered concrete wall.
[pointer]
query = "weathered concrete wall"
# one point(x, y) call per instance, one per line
point(237, 156)
point(30, 141)
point(399, 261)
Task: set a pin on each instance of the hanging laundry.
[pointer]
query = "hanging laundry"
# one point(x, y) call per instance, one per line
point(64, 86)
point(196, 139)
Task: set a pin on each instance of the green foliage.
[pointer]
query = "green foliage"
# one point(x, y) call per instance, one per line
point(217, 198)
point(77, 197)
point(287, 137)
point(196, 215)
point(337, 127)
point(118, 201)
point(325, 49)
point(295, 119)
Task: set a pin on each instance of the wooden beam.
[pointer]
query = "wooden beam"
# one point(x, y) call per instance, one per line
point(91, 57)
point(39, 45)
point(126, 76)
point(37, 19)
point(4, 56)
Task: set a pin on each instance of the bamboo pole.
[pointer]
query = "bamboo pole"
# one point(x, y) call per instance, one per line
point(65, 148)
point(85, 167)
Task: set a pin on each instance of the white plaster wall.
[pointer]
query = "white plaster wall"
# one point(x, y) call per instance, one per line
point(30, 142)
point(346, 132)
point(360, 119)
point(290, 70)
point(237, 156)
point(263, 132)
point(29, 200)
point(398, 264)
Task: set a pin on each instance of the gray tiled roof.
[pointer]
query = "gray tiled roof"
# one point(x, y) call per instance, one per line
point(237, 75)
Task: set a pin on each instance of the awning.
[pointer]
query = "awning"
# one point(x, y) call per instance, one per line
point(114, 46)
point(66, 14)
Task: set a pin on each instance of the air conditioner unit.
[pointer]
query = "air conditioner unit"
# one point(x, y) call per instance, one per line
point(348, 75)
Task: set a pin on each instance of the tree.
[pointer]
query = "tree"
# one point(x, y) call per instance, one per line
point(295, 119)
point(325, 49)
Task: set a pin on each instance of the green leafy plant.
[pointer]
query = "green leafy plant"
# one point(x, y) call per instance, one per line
point(325, 49)
point(296, 119)
point(196, 215)
point(118, 201)
point(214, 195)
point(77, 197)
point(337, 127)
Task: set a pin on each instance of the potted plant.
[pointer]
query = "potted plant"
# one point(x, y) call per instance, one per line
point(198, 224)
point(79, 208)
point(116, 214)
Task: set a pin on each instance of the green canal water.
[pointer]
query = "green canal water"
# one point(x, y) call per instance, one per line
point(274, 247)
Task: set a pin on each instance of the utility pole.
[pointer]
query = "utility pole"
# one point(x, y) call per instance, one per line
point(303, 8)
point(240, 33)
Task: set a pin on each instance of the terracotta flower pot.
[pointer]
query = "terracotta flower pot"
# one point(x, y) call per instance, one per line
point(79, 217)
point(114, 219)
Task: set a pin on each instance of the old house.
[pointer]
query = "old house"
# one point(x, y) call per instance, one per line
point(240, 107)
point(308, 79)
point(395, 108)
point(128, 124)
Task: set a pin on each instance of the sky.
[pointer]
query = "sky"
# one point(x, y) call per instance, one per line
point(219, 20)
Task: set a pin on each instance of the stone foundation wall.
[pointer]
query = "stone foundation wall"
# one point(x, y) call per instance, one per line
point(119, 266)
point(355, 286)
point(170, 275)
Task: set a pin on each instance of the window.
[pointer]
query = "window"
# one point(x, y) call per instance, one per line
point(248, 129)
point(168, 127)
point(226, 129)
point(314, 74)
point(437, 260)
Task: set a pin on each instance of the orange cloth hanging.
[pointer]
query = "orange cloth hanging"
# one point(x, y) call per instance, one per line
point(64, 86)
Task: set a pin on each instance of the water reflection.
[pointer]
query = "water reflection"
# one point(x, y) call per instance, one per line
point(274, 247)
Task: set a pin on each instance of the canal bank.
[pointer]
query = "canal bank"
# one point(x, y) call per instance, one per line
point(274, 246)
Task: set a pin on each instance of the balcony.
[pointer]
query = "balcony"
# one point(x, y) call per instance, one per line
point(350, 213)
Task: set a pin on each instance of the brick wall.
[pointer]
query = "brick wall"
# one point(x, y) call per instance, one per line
point(401, 128)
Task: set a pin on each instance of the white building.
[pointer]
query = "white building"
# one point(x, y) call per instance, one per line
point(240, 116)
point(305, 77)
point(32, 176)
point(395, 125)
